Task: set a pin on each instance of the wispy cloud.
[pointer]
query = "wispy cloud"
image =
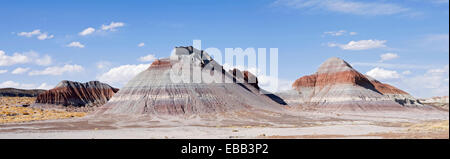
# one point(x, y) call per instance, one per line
point(13, 84)
point(112, 26)
point(56, 70)
point(37, 33)
point(436, 42)
point(103, 64)
point(30, 34)
point(407, 72)
point(45, 36)
point(75, 44)
point(147, 58)
point(388, 56)
point(102, 29)
point(345, 6)
point(22, 58)
point(87, 31)
point(268, 83)
point(433, 83)
point(339, 33)
point(20, 70)
point(391, 66)
point(360, 45)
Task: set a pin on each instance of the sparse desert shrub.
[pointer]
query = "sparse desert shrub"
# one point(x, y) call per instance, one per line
point(9, 114)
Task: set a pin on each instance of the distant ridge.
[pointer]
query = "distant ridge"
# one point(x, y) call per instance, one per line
point(14, 92)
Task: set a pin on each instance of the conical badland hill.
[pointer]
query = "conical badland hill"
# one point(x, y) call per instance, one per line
point(156, 91)
point(338, 86)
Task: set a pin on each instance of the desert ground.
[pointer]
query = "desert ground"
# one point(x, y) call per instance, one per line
point(17, 121)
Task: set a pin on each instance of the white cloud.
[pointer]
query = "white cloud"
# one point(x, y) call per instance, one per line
point(268, 83)
point(438, 42)
point(407, 72)
point(45, 86)
point(360, 45)
point(391, 66)
point(147, 58)
point(87, 31)
point(103, 64)
point(45, 36)
point(20, 70)
point(345, 6)
point(30, 34)
point(12, 84)
point(433, 83)
point(122, 74)
point(38, 33)
point(335, 33)
point(438, 70)
point(252, 70)
point(382, 74)
point(3, 71)
point(75, 44)
point(37, 59)
point(339, 33)
point(388, 56)
point(141, 44)
point(112, 26)
point(22, 58)
point(55, 70)
point(44, 61)
point(16, 58)
point(437, 37)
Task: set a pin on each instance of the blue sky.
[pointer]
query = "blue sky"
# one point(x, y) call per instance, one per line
point(41, 42)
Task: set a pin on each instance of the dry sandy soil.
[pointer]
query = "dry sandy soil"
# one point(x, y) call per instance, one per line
point(12, 110)
point(256, 124)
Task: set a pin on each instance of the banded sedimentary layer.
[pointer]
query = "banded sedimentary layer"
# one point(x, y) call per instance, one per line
point(69, 93)
point(441, 102)
point(337, 86)
point(189, 82)
point(395, 94)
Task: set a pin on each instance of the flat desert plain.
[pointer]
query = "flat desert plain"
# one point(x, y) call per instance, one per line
point(31, 123)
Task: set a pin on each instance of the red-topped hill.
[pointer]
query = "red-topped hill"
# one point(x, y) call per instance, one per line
point(337, 85)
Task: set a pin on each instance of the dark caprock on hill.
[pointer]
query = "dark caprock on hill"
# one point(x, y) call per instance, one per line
point(69, 93)
point(153, 91)
point(13, 92)
point(337, 86)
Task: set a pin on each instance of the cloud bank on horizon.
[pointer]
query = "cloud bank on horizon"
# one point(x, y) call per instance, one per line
point(401, 43)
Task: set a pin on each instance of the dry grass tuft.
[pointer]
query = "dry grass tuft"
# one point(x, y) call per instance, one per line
point(430, 126)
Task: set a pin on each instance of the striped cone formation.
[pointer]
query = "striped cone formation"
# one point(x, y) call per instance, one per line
point(154, 91)
point(336, 86)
